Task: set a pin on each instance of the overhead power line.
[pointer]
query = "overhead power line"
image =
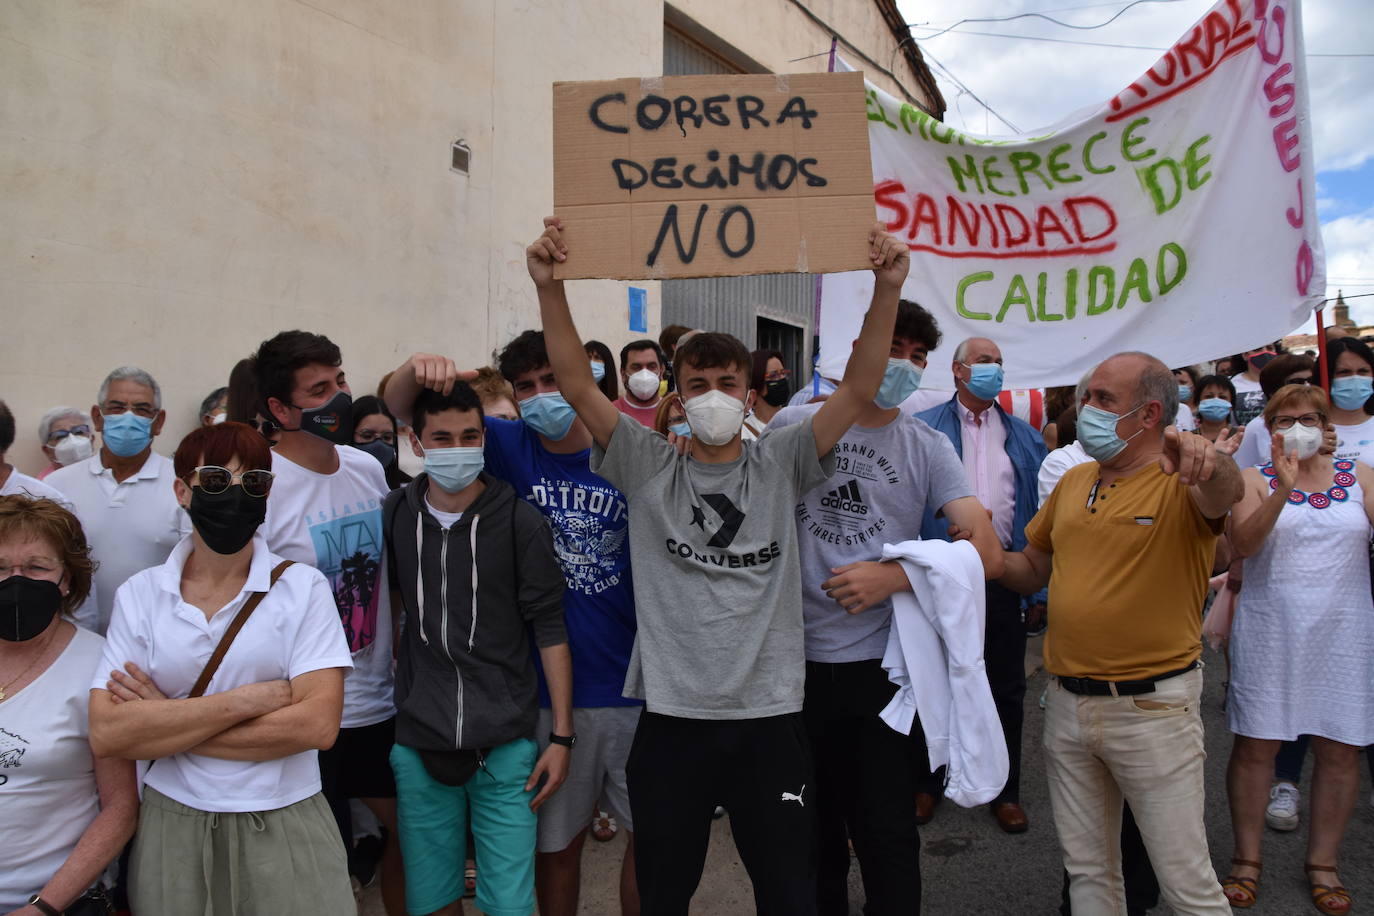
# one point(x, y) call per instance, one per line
point(1059, 22)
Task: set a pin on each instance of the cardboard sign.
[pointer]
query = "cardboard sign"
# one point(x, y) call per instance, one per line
point(707, 176)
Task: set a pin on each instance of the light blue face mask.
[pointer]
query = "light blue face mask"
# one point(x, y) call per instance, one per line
point(985, 380)
point(452, 469)
point(548, 414)
point(1097, 431)
point(598, 370)
point(126, 434)
point(1185, 393)
point(1351, 391)
point(900, 380)
point(1214, 409)
point(681, 429)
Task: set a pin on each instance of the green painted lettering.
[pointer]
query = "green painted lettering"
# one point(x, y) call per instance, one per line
point(1166, 193)
point(1107, 278)
point(1138, 279)
point(1017, 294)
point(1129, 141)
point(971, 171)
point(1060, 170)
point(980, 277)
point(1040, 312)
point(1163, 280)
point(1071, 293)
point(1193, 164)
point(990, 173)
point(1088, 154)
point(1024, 161)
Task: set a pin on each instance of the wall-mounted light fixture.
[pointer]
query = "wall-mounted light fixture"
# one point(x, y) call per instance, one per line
point(462, 157)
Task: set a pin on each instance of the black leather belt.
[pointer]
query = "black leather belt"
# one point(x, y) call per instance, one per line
point(1089, 687)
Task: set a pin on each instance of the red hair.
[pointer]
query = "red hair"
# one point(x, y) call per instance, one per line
point(220, 445)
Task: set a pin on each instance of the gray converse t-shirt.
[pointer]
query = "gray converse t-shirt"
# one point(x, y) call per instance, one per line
point(884, 480)
point(716, 575)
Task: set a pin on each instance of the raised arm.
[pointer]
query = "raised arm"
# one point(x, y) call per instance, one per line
point(134, 724)
point(1027, 571)
point(421, 371)
point(1254, 516)
point(864, 373)
point(1209, 472)
point(566, 355)
point(309, 722)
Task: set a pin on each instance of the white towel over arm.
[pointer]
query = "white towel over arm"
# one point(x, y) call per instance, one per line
point(935, 657)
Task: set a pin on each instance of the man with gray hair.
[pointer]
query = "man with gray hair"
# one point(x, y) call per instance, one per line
point(1126, 543)
point(1001, 455)
point(123, 493)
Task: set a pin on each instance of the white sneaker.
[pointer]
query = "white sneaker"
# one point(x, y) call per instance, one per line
point(1282, 813)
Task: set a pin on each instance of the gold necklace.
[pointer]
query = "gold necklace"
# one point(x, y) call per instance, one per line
point(39, 658)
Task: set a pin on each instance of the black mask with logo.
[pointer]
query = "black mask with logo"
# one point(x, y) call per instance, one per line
point(386, 454)
point(27, 607)
point(777, 392)
point(226, 521)
point(332, 421)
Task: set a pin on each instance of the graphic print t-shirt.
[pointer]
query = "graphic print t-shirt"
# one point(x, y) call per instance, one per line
point(1356, 443)
point(590, 528)
point(884, 479)
point(717, 576)
point(334, 523)
point(1249, 399)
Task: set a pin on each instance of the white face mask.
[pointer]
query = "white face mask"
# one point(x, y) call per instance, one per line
point(73, 449)
point(715, 416)
point(1305, 440)
point(643, 384)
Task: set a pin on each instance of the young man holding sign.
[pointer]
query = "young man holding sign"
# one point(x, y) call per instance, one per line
point(719, 654)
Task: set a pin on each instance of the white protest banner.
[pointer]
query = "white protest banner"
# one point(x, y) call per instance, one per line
point(1179, 218)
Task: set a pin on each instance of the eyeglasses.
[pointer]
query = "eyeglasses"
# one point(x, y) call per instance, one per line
point(58, 435)
point(778, 376)
point(1307, 419)
point(1300, 380)
point(215, 479)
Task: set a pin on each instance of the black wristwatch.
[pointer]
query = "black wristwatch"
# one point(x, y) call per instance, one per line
point(567, 741)
point(43, 906)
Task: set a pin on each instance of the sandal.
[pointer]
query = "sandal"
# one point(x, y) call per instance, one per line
point(1241, 892)
point(1331, 900)
point(604, 826)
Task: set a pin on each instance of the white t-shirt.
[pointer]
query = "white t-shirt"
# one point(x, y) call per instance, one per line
point(48, 794)
point(294, 631)
point(18, 484)
point(1056, 464)
point(446, 520)
point(1184, 419)
point(1356, 443)
point(1254, 446)
point(131, 526)
point(334, 523)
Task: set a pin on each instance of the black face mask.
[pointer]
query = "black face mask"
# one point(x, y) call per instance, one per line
point(226, 521)
point(332, 421)
point(27, 607)
point(378, 449)
point(777, 392)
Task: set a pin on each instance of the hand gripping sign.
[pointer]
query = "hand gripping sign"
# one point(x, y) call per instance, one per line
point(702, 176)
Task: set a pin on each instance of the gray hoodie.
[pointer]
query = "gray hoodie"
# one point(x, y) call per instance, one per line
point(465, 676)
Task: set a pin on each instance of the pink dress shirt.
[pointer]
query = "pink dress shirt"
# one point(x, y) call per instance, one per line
point(987, 466)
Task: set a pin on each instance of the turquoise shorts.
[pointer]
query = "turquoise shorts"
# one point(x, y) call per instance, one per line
point(433, 822)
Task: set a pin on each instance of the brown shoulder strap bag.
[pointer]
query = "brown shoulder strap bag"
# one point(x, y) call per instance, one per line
point(235, 625)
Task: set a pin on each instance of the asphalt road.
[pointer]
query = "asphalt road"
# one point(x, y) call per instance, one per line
point(969, 866)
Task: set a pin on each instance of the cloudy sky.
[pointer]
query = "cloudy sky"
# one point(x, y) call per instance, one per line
point(1032, 82)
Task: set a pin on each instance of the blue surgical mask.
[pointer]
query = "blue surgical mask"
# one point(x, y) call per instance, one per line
point(126, 434)
point(681, 429)
point(1097, 431)
point(1351, 391)
point(598, 369)
point(1214, 409)
point(900, 380)
point(985, 380)
point(452, 469)
point(548, 414)
point(1185, 393)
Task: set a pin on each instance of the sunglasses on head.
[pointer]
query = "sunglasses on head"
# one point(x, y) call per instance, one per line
point(215, 479)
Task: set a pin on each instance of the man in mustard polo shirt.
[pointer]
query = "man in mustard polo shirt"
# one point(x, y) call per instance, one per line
point(1125, 543)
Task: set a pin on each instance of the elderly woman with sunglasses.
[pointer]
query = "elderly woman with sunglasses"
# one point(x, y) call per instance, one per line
point(65, 814)
point(1302, 638)
point(232, 818)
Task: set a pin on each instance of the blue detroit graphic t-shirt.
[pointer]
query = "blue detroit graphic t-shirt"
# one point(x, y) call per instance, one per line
point(591, 537)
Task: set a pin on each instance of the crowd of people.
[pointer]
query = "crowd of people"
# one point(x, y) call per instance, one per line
point(441, 633)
